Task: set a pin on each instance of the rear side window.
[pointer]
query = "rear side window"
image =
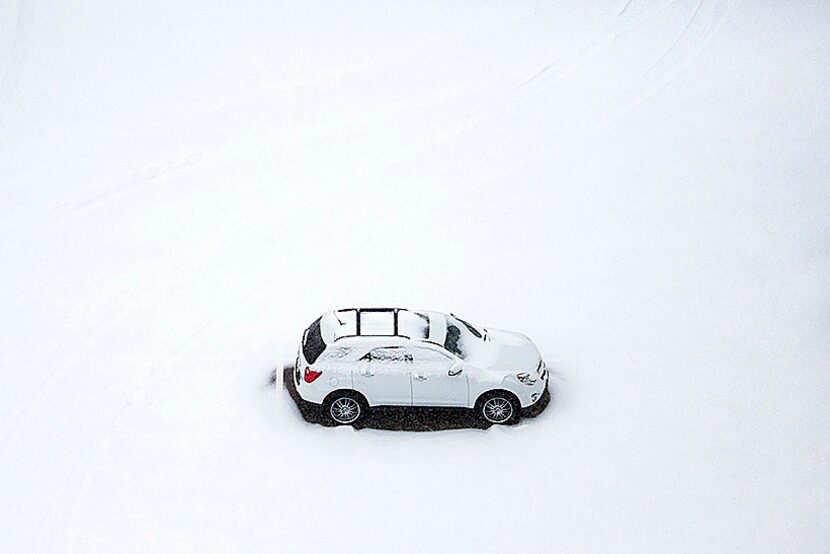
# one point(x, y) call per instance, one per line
point(414, 325)
point(313, 344)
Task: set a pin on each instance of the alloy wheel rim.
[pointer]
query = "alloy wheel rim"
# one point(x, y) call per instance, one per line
point(497, 410)
point(345, 410)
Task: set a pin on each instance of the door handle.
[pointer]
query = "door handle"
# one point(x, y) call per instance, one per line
point(420, 377)
point(367, 373)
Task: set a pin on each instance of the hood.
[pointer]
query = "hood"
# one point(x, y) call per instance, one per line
point(506, 351)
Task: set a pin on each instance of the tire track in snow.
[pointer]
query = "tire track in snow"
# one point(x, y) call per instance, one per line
point(537, 83)
point(145, 177)
point(51, 217)
point(56, 216)
point(680, 36)
point(621, 101)
point(618, 26)
point(617, 107)
point(152, 175)
point(624, 8)
point(543, 78)
point(537, 74)
point(695, 37)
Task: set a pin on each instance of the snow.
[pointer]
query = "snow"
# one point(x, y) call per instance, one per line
point(640, 187)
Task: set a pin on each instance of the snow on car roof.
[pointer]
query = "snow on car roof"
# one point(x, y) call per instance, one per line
point(391, 322)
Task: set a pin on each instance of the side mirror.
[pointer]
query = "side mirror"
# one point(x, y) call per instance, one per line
point(366, 357)
point(454, 371)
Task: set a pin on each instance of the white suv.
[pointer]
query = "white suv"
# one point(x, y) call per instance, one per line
point(350, 360)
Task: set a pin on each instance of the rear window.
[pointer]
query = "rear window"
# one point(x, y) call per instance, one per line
point(313, 344)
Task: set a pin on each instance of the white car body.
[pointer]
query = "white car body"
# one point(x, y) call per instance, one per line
point(399, 357)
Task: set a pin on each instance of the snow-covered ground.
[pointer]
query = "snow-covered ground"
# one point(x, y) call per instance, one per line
point(641, 187)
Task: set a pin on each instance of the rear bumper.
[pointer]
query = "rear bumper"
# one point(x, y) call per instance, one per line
point(317, 391)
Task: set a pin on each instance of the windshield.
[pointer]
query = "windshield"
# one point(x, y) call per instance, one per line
point(469, 327)
point(460, 336)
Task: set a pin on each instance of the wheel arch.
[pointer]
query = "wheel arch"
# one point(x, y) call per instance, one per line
point(498, 390)
point(345, 392)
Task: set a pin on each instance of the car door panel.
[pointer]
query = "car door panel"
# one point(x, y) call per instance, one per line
point(438, 380)
point(383, 377)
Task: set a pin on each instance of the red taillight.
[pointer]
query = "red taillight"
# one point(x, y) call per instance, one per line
point(310, 375)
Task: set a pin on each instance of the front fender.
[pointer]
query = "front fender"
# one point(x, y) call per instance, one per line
point(485, 381)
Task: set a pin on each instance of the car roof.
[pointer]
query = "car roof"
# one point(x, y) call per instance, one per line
point(418, 325)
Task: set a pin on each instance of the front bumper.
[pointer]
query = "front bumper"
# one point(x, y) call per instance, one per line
point(539, 406)
point(530, 396)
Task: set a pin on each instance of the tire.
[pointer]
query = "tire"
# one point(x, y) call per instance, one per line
point(499, 407)
point(345, 407)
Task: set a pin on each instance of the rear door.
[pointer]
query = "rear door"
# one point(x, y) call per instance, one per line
point(437, 379)
point(382, 375)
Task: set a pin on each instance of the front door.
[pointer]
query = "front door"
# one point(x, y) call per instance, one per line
point(382, 376)
point(437, 379)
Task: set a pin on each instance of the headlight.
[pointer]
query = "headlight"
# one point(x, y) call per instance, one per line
point(526, 379)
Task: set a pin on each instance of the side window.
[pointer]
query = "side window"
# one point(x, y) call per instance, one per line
point(389, 354)
point(431, 358)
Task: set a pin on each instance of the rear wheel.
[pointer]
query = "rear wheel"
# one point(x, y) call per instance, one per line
point(499, 407)
point(345, 407)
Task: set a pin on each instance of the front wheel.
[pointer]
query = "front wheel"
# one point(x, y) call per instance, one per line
point(499, 407)
point(345, 407)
